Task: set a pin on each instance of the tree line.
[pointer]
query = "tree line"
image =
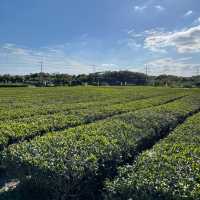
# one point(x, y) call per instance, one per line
point(99, 78)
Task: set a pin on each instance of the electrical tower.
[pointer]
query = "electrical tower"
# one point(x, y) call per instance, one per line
point(41, 71)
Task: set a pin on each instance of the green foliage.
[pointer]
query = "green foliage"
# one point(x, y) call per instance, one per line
point(74, 163)
point(98, 78)
point(170, 170)
point(54, 118)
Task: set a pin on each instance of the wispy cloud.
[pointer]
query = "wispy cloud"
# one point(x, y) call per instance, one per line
point(148, 4)
point(133, 44)
point(26, 59)
point(130, 43)
point(139, 8)
point(188, 13)
point(185, 41)
point(133, 34)
point(181, 66)
point(196, 21)
point(109, 66)
point(159, 8)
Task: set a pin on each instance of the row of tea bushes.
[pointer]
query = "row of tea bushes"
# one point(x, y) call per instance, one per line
point(74, 163)
point(49, 101)
point(12, 132)
point(170, 170)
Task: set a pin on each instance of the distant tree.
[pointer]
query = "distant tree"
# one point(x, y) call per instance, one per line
point(100, 78)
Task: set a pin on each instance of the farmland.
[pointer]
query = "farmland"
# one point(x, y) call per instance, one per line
point(100, 143)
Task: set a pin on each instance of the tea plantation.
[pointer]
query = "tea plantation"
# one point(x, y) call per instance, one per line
point(99, 143)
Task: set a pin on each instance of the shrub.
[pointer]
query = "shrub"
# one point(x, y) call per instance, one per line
point(74, 163)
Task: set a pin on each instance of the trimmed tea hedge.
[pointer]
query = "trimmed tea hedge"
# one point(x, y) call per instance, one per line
point(19, 103)
point(73, 164)
point(12, 132)
point(170, 170)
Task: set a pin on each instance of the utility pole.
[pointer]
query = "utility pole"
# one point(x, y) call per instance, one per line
point(94, 68)
point(198, 70)
point(94, 71)
point(146, 72)
point(41, 66)
point(41, 71)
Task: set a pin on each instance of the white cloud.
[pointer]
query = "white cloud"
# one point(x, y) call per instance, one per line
point(139, 8)
point(196, 21)
point(159, 8)
point(108, 66)
point(180, 67)
point(185, 59)
point(148, 4)
point(185, 41)
point(188, 13)
point(133, 34)
point(22, 59)
point(130, 42)
point(13, 49)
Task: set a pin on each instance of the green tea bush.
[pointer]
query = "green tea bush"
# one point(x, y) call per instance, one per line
point(170, 170)
point(74, 163)
point(13, 132)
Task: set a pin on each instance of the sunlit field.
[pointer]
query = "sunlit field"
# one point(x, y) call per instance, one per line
point(99, 143)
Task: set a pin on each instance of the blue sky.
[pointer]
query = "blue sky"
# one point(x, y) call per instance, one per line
point(72, 35)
